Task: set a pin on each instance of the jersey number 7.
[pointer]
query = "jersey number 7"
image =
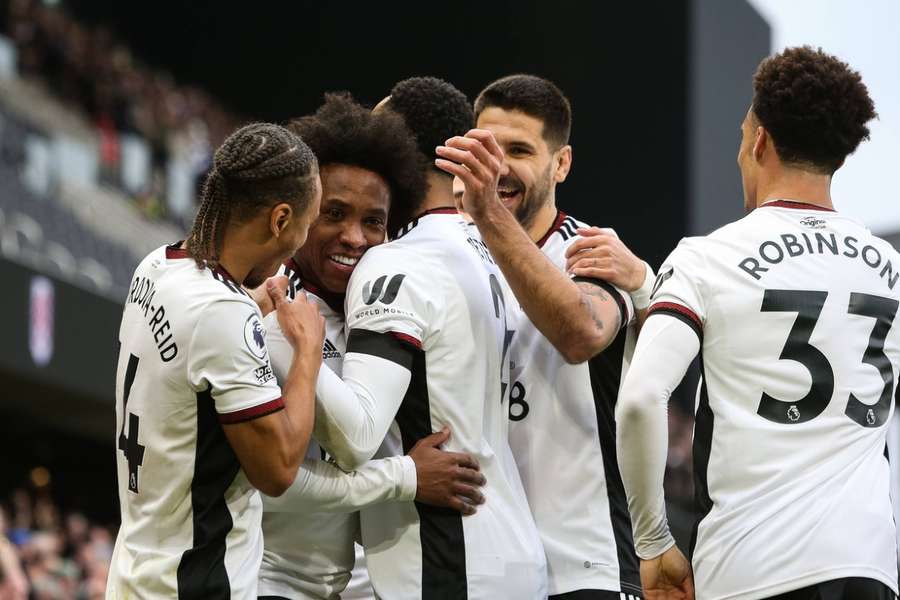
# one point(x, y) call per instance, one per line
point(808, 306)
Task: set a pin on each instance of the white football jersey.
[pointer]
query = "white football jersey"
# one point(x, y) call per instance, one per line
point(192, 356)
point(310, 555)
point(438, 291)
point(562, 433)
point(794, 306)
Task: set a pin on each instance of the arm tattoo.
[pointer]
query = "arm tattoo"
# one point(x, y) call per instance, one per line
point(588, 290)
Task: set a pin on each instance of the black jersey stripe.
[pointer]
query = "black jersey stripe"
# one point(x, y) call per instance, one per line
point(201, 571)
point(606, 374)
point(703, 432)
point(440, 529)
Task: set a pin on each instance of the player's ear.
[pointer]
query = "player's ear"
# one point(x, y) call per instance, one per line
point(563, 159)
point(280, 218)
point(760, 143)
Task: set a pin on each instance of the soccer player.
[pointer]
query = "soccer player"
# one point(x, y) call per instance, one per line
point(199, 417)
point(792, 310)
point(369, 165)
point(427, 348)
point(572, 337)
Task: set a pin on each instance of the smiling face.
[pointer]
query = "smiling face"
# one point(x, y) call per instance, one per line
point(534, 168)
point(352, 219)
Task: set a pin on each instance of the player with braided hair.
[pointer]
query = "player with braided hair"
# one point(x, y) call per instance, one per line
point(201, 422)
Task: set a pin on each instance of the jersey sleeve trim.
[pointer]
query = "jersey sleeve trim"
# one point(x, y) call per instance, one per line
point(254, 412)
point(680, 312)
point(612, 291)
point(399, 348)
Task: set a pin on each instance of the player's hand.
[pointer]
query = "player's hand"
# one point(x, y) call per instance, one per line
point(600, 254)
point(477, 160)
point(261, 296)
point(300, 320)
point(667, 577)
point(448, 479)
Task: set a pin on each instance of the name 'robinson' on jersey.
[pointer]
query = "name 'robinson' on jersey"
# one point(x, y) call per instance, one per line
point(795, 308)
point(562, 434)
point(192, 357)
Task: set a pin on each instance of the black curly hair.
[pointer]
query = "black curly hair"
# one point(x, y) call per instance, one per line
point(344, 132)
point(256, 166)
point(434, 110)
point(534, 96)
point(814, 106)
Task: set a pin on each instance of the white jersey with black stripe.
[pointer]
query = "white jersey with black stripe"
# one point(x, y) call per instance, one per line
point(192, 356)
point(562, 433)
point(310, 555)
point(795, 308)
point(435, 291)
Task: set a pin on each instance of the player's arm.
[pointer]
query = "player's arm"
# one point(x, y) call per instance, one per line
point(580, 317)
point(268, 428)
point(427, 474)
point(599, 254)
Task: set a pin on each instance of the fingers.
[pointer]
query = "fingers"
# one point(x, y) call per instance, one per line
point(468, 475)
point(468, 179)
point(589, 231)
point(276, 287)
point(435, 439)
point(462, 505)
point(596, 241)
point(477, 148)
point(489, 141)
point(469, 159)
point(471, 493)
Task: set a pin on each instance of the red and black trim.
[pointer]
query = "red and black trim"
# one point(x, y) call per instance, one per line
point(439, 210)
point(175, 251)
point(557, 223)
point(612, 291)
point(399, 348)
point(334, 301)
point(219, 273)
point(254, 412)
point(682, 313)
point(797, 205)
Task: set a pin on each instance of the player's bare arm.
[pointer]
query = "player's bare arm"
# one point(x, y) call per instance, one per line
point(576, 319)
point(271, 448)
point(600, 254)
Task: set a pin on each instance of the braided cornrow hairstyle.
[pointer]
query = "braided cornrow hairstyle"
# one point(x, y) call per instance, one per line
point(258, 166)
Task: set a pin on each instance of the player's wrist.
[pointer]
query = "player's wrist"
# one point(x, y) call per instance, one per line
point(641, 296)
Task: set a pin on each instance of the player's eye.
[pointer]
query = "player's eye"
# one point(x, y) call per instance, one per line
point(375, 222)
point(334, 214)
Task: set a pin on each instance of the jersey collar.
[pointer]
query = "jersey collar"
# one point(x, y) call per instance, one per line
point(794, 204)
point(334, 301)
point(557, 223)
point(175, 251)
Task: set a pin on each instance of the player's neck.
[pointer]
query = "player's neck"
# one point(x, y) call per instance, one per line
point(544, 219)
point(798, 185)
point(440, 193)
point(237, 257)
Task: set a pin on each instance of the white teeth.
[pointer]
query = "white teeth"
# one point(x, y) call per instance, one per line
point(344, 260)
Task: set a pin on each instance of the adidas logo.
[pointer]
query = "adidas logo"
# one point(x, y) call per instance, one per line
point(329, 350)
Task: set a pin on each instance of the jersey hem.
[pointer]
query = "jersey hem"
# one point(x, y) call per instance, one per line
point(808, 580)
point(564, 585)
point(254, 412)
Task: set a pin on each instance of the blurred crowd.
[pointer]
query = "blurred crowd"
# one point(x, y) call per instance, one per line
point(94, 72)
point(47, 555)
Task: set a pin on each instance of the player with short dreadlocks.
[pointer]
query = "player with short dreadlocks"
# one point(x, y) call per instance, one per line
point(370, 170)
point(200, 420)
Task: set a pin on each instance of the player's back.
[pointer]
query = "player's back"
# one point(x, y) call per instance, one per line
point(800, 358)
point(439, 289)
point(192, 357)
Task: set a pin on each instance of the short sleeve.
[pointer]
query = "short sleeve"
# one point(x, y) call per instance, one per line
point(230, 358)
point(389, 294)
point(679, 287)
